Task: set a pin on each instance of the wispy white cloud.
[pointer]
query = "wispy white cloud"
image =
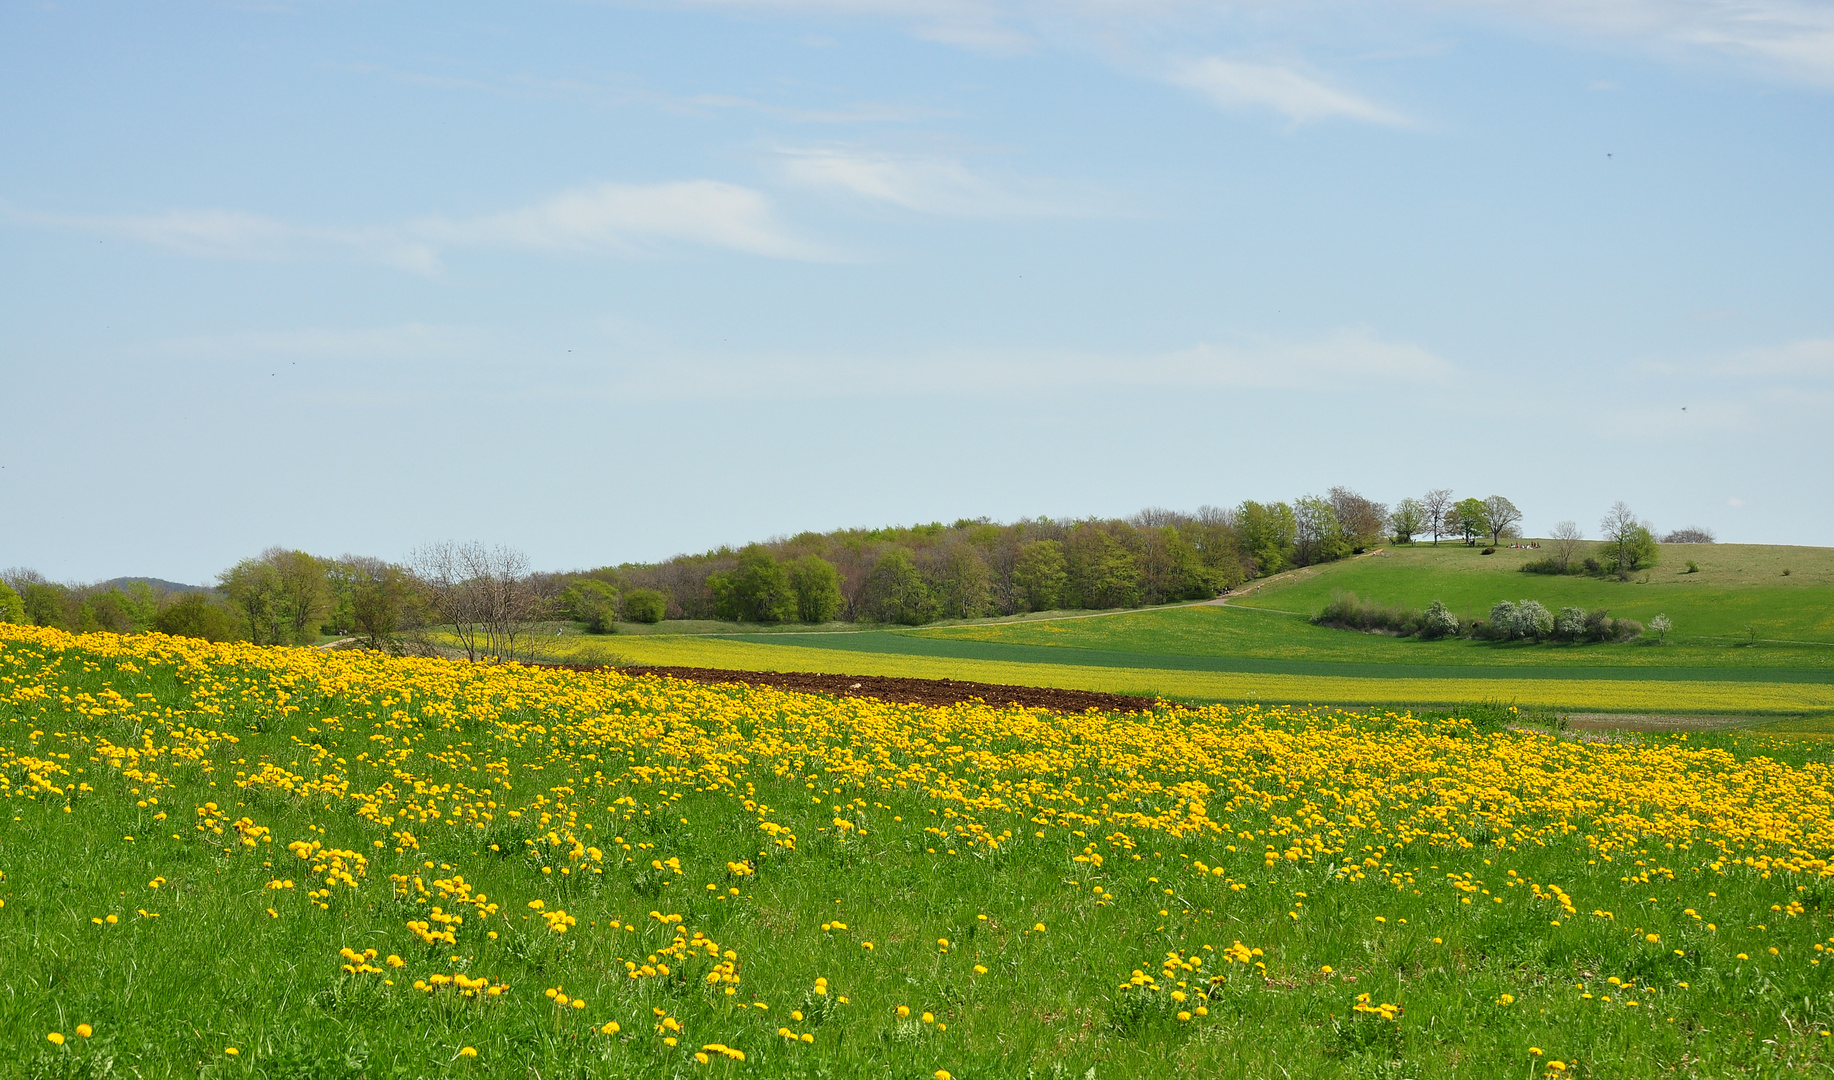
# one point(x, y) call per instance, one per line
point(1346, 362)
point(1241, 85)
point(1810, 356)
point(1790, 39)
point(1785, 38)
point(234, 234)
point(629, 218)
point(932, 184)
point(607, 218)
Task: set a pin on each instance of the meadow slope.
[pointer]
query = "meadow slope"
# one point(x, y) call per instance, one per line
point(232, 861)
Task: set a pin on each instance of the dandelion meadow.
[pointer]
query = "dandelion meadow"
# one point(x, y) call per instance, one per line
point(229, 860)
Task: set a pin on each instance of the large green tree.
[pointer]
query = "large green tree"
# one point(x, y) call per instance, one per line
point(817, 585)
point(896, 591)
point(1038, 575)
point(281, 597)
point(756, 590)
point(1102, 573)
point(1469, 519)
point(959, 581)
point(1407, 521)
point(1266, 531)
point(12, 608)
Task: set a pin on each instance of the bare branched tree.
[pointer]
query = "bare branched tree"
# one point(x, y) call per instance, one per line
point(1566, 543)
point(1438, 503)
point(486, 595)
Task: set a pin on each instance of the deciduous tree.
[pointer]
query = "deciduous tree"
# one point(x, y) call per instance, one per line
point(1500, 515)
point(1039, 575)
point(1565, 544)
point(1437, 506)
point(1468, 519)
point(1408, 520)
point(817, 585)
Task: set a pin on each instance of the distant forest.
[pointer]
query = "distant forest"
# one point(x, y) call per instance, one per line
point(972, 568)
point(488, 599)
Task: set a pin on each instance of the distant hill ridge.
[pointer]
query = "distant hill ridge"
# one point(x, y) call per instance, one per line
point(157, 583)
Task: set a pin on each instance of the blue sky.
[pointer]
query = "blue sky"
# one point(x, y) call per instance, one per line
point(612, 281)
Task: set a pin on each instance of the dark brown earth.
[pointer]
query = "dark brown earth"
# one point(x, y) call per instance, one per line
point(911, 691)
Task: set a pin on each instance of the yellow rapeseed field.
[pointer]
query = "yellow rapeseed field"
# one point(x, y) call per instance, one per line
point(232, 859)
point(1745, 698)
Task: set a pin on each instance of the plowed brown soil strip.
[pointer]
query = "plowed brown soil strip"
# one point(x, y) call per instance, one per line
point(911, 691)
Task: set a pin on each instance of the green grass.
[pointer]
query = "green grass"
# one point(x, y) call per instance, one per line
point(1740, 588)
point(131, 902)
point(1263, 647)
point(1736, 696)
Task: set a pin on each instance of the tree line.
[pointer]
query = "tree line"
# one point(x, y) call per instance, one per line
point(978, 567)
point(488, 600)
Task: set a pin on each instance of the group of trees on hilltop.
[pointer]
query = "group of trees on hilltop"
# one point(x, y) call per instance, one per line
point(489, 598)
point(1626, 544)
point(979, 567)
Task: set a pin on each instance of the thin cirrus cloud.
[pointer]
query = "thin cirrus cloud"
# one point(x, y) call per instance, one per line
point(933, 185)
point(1352, 360)
point(1789, 39)
point(1246, 86)
point(1781, 38)
point(625, 219)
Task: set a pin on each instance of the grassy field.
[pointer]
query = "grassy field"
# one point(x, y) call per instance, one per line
point(1740, 696)
point(231, 861)
point(1748, 640)
point(1739, 592)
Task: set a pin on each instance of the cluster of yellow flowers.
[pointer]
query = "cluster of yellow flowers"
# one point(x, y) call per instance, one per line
point(569, 772)
point(1307, 789)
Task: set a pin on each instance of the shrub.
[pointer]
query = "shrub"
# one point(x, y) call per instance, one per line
point(1533, 620)
point(1547, 566)
point(1489, 551)
point(645, 606)
point(1597, 625)
point(1437, 622)
point(1661, 625)
point(1693, 534)
point(1527, 619)
point(1693, 567)
point(1347, 612)
point(592, 602)
point(1570, 624)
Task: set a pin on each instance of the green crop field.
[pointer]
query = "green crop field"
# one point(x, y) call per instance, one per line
point(1747, 639)
point(233, 861)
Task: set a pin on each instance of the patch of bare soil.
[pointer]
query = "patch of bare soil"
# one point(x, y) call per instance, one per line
point(911, 691)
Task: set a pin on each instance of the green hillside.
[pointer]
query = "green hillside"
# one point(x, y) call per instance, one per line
point(1738, 588)
point(1738, 611)
point(1261, 645)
